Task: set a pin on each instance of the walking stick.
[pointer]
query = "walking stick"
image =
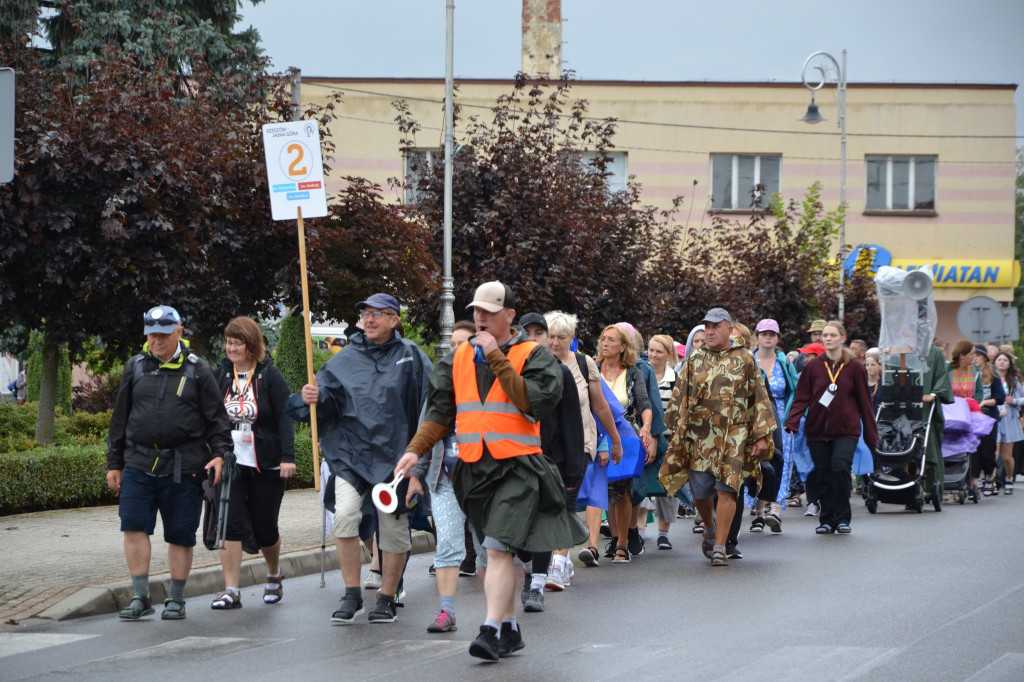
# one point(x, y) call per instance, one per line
point(227, 471)
point(323, 544)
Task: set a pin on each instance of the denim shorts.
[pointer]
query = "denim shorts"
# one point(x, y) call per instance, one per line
point(180, 506)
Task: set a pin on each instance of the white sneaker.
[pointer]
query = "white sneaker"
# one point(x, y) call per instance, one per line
point(568, 572)
point(554, 583)
point(812, 509)
point(371, 581)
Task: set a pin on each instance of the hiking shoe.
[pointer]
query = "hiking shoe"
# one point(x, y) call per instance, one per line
point(445, 622)
point(588, 555)
point(139, 607)
point(384, 611)
point(511, 640)
point(467, 568)
point(174, 609)
point(663, 542)
point(373, 579)
point(774, 522)
point(348, 610)
point(485, 646)
point(812, 509)
point(635, 542)
point(534, 602)
point(757, 525)
point(554, 583)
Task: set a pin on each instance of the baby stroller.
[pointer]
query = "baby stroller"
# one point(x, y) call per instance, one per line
point(964, 430)
point(957, 481)
point(908, 325)
point(898, 477)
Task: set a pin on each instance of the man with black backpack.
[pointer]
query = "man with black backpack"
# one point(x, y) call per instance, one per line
point(168, 428)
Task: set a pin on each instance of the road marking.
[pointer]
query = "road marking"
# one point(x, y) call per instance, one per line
point(13, 643)
point(1006, 667)
point(189, 646)
point(807, 662)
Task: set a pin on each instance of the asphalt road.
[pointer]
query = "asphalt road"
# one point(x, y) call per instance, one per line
point(933, 596)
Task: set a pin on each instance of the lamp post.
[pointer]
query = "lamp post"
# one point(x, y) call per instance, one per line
point(824, 65)
point(447, 282)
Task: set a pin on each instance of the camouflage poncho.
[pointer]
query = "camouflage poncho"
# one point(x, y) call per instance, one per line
point(719, 409)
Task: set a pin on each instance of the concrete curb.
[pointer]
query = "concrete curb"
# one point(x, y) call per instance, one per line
point(112, 597)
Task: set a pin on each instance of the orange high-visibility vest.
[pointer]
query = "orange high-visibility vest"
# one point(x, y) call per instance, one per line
point(496, 421)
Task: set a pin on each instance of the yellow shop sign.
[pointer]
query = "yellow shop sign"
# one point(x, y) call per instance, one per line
point(967, 274)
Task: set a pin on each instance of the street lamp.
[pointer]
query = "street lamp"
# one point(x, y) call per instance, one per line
point(447, 282)
point(826, 65)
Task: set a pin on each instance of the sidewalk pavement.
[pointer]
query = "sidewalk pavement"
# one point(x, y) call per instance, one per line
point(70, 563)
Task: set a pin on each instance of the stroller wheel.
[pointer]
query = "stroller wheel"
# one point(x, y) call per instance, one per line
point(937, 496)
point(872, 505)
point(962, 497)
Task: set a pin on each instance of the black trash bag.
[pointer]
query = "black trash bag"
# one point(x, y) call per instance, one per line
point(211, 510)
point(898, 435)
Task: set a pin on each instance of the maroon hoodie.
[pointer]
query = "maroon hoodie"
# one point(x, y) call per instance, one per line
point(850, 407)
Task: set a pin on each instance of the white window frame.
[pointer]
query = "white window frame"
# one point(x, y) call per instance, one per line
point(911, 181)
point(618, 168)
point(735, 193)
point(432, 155)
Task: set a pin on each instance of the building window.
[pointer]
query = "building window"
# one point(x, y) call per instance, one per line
point(418, 164)
point(901, 183)
point(616, 169)
point(735, 177)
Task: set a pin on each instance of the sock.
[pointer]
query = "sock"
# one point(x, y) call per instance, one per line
point(140, 584)
point(494, 624)
point(511, 623)
point(662, 533)
point(537, 581)
point(354, 592)
point(559, 561)
point(642, 531)
point(448, 603)
point(177, 592)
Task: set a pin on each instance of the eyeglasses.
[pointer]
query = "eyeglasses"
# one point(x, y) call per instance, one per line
point(375, 314)
point(161, 317)
point(230, 343)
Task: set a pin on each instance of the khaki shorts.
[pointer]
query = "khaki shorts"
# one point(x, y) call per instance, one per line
point(348, 511)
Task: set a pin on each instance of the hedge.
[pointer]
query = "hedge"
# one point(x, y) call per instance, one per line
point(65, 477)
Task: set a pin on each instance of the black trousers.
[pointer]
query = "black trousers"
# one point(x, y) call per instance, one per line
point(833, 460)
point(984, 458)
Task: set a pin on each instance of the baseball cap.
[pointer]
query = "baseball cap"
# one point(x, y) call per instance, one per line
point(812, 349)
point(533, 318)
point(493, 296)
point(160, 320)
point(767, 325)
point(380, 301)
point(716, 315)
point(817, 326)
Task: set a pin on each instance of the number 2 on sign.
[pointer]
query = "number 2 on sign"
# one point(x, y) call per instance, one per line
point(294, 169)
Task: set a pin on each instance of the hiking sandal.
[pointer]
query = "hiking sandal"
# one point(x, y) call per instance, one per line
point(708, 542)
point(274, 591)
point(229, 600)
point(621, 555)
point(139, 607)
point(719, 557)
point(173, 609)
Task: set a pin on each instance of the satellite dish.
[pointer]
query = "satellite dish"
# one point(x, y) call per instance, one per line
point(980, 318)
point(917, 285)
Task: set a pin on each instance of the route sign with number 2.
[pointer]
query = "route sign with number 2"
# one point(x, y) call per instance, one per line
point(295, 170)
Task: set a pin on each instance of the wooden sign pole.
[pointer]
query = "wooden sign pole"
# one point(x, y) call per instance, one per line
point(309, 349)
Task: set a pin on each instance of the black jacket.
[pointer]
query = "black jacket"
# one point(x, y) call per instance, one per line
point(561, 433)
point(166, 415)
point(273, 431)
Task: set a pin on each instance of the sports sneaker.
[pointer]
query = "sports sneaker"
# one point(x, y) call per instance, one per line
point(445, 622)
point(348, 610)
point(485, 646)
point(534, 602)
point(757, 525)
point(773, 521)
point(635, 542)
point(384, 611)
point(812, 509)
point(733, 552)
point(698, 528)
point(554, 583)
point(609, 549)
point(467, 568)
point(663, 542)
point(139, 607)
point(373, 578)
point(568, 572)
point(606, 530)
point(174, 609)
point(511, 640)
point(1007, 488)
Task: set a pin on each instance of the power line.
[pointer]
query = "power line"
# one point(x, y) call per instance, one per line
point(693, 126)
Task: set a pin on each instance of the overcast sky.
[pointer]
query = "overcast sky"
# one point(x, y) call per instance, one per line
point(900, 41)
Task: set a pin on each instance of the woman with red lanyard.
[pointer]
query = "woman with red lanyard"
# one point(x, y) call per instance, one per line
point(254, 392)
point(833, 390)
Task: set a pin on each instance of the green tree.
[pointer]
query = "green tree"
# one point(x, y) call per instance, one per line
point(291, 351)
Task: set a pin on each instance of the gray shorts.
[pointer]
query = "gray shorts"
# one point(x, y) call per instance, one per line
point(703, 484)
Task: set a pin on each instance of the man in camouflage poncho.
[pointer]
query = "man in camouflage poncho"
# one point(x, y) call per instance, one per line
point(719, 427)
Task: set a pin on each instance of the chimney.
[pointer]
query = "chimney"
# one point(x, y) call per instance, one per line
point(542, 38)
